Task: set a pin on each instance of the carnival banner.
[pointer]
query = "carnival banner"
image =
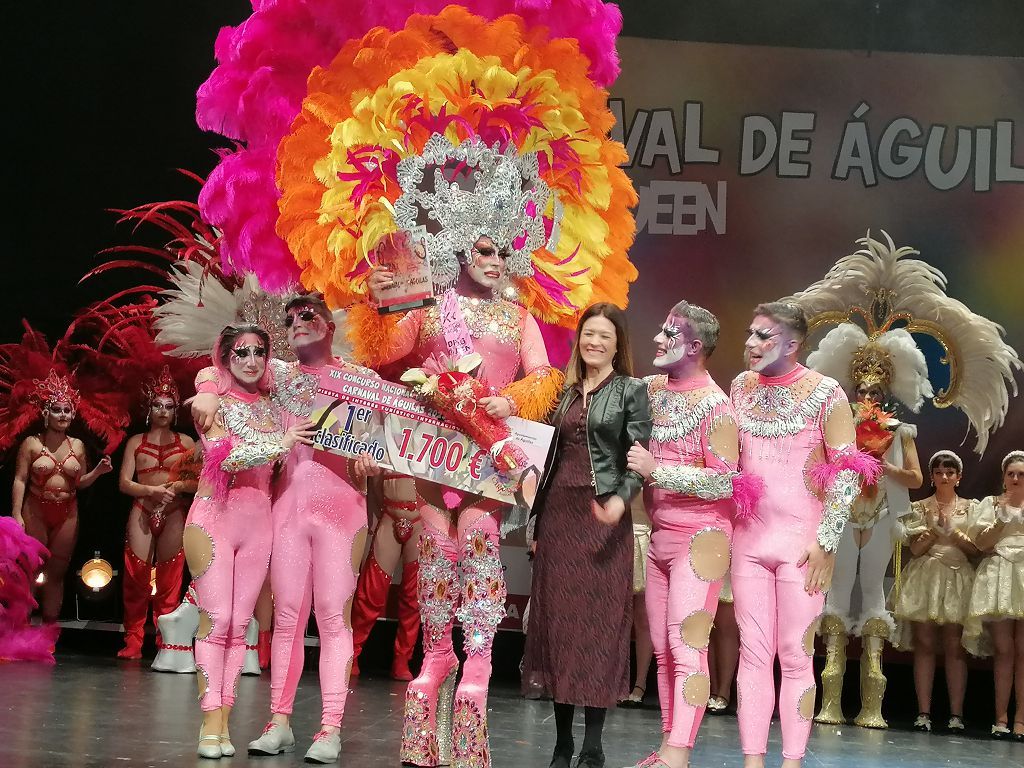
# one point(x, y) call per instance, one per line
point(355, 414)
point(758, 167)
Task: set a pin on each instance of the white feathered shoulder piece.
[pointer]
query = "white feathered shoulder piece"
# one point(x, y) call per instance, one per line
point(195, 311)
point(894, 296)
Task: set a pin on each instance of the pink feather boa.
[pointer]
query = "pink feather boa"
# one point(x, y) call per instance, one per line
point(214, 453)
point(256, 91)
point(747, 490)
point(21, 559)
point(823, 475)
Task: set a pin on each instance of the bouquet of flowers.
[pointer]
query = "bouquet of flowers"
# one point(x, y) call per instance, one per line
point(455, 393)
point(876, 428)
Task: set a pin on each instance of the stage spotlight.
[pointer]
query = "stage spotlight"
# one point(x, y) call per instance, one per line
point(96, 573)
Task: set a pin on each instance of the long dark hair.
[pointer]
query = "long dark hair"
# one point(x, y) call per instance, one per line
point(622, 363)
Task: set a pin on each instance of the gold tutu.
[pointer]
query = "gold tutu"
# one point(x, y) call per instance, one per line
point(998, 591)
point(934, 590)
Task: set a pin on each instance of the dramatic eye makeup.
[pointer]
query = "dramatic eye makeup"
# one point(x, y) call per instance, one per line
point(762, 333)
point(243, 353)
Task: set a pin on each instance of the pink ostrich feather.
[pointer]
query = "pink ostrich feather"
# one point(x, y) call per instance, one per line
point(21, 558)
point(747, 491)
point(823, 475)
point(256, 91)
point(214, 453)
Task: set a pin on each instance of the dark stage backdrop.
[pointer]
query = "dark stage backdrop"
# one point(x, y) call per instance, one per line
point(101, 97)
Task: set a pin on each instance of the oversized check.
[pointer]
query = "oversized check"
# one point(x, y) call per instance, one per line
point(356, 414)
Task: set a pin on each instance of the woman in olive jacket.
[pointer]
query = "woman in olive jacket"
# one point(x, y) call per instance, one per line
point(582, 595)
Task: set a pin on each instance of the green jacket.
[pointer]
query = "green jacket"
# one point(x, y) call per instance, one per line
point(618, 415)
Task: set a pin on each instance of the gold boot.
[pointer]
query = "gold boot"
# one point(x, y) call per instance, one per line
point(872, 681)
point(834, 632)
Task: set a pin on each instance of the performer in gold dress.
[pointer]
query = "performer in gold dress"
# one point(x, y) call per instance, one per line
point(936, 587)
point(997, 598)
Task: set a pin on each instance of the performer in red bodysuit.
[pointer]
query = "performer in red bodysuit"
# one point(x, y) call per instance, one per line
point(395, 540)
point(149, 474)
point(51, 466)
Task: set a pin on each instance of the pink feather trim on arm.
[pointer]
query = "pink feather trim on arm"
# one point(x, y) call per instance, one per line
point(747, 491)
point(823, 475)
point(214, 453)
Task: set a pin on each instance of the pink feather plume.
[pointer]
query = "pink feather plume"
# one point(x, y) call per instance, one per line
point(747, 491)
point(257, 88)
point(823, 475)
point(214, 453)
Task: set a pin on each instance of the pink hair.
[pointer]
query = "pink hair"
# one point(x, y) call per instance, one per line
point(225, 379)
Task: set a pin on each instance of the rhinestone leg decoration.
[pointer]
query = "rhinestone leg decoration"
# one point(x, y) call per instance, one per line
point(427, 728)
point(483, 608)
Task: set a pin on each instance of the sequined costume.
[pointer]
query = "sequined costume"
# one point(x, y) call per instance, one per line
point(936, 586)
point(691, 511)
point(232, 510)
point(796, 433)
point(465, 541)
point(319, 518)
point(53, 504)
point(156, 464)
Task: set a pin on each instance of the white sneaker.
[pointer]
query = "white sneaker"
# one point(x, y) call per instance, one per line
point(275, 739)
point(325, 747)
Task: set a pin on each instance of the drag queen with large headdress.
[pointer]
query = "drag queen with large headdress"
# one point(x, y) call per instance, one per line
point(884, 370)
point(40, 398)
point(489, 131)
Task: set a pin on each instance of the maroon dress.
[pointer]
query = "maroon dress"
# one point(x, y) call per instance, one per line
point(581, 601)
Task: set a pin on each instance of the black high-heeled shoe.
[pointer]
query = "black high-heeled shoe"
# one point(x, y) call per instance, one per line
point(561, 758)
point(634, 701)
point(590, 759)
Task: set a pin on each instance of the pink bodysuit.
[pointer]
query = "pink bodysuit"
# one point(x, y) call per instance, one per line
point(236, 518)
point(688, 500)
point(796, 433)
point(319, 518)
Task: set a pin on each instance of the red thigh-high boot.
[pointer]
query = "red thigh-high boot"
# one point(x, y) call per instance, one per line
point(408, 622)
point(169, 575)
point(371, 596)
point(136, 603)
point(427, 730)
point(482, 609)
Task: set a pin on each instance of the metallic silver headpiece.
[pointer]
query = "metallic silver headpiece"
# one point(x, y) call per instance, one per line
point(462, 193)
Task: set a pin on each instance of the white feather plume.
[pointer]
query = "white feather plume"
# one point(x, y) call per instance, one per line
point(196, 310)
point(835, 353)
point(985, 363)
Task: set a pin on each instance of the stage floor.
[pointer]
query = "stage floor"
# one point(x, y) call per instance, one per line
point(91, 711)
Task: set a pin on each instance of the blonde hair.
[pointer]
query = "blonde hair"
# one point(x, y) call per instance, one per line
point(622, 363)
